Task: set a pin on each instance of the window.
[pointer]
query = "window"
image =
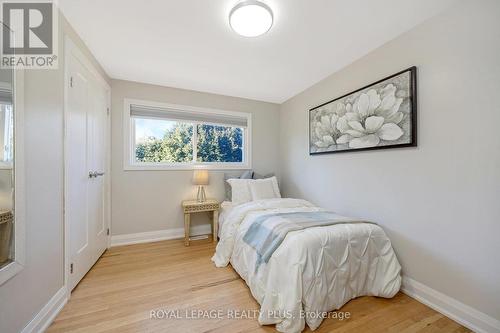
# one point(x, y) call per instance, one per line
point(7, 124)
point(165, 136)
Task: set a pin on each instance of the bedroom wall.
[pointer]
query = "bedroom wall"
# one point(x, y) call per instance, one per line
point(144, 201)
point(437, 202)
point(5, 188)
point(24, 295)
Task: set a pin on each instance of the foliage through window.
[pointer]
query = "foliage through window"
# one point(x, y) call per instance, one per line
point(160, 141)
point(164, 139)
point(219, 143)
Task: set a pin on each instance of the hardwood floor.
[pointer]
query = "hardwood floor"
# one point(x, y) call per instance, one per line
point(128, 282)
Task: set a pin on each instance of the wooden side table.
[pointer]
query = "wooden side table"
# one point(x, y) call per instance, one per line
point(193, 206)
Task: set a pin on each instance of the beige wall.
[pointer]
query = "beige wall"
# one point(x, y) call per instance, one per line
point(5, 189)
point(23, 296)
point(150, 200)
point(437, 202)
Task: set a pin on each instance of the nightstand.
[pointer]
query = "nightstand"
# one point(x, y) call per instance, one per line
point(193, 206)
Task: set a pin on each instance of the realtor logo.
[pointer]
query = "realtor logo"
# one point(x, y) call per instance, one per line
point(29, 35)
point(32, 23)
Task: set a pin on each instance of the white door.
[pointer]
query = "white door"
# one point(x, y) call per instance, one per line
point(86, 165)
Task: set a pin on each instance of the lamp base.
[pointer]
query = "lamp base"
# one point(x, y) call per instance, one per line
point(201, 194)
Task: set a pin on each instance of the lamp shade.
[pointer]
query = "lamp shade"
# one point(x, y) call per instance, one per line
point(200, 177)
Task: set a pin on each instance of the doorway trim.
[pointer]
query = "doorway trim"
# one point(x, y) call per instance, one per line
point(71, 48)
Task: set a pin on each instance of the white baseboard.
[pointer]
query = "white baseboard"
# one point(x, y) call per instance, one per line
point(450, 307)
point(48, 313)
point(159, 235)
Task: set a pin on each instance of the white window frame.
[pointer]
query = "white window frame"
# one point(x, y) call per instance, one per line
point(129, 162)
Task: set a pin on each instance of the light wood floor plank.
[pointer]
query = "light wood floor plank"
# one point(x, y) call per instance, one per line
point(128, 282)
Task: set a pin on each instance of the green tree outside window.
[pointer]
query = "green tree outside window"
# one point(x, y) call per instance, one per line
point(214, 144)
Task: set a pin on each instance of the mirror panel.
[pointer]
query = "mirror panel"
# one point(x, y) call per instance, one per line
point(7, 239)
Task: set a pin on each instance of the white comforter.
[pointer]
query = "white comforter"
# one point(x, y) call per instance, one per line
point(314, 270)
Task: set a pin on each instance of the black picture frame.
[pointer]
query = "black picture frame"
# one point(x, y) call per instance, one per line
point(413, 115)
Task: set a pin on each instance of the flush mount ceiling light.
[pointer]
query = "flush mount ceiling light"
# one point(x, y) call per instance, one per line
point(251, 18)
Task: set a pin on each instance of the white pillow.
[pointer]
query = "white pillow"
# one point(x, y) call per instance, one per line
point(264, 188)
point(240, 192)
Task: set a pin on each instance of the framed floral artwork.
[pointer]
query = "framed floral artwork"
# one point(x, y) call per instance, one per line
point(380, 115)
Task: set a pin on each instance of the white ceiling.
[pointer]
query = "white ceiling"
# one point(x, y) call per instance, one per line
point(189, 44)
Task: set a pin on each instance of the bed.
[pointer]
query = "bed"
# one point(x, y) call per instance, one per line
point(313, 270)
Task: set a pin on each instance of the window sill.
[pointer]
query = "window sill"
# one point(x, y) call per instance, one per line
point(156, 167)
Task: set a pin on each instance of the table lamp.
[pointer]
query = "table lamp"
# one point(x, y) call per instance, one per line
point(200, 178)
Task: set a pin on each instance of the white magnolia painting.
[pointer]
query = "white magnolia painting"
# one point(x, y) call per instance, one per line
point(381, 115)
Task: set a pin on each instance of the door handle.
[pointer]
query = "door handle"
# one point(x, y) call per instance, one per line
point(96, 174)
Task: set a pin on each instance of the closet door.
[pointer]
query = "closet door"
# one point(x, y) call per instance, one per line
point(86, 164)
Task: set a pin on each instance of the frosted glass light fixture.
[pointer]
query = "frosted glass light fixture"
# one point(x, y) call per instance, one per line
point(251, 18)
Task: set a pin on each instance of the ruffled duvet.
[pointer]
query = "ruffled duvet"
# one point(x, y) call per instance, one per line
point(314, 270)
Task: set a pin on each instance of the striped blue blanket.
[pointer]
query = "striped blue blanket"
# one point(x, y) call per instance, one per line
point(268, 231)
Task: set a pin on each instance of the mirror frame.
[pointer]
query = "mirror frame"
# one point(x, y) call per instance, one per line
point(17, 265)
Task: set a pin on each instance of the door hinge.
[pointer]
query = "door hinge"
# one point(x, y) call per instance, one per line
point(107, 232)
point(107, 110)
point(71, 268)
point(71, 82)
